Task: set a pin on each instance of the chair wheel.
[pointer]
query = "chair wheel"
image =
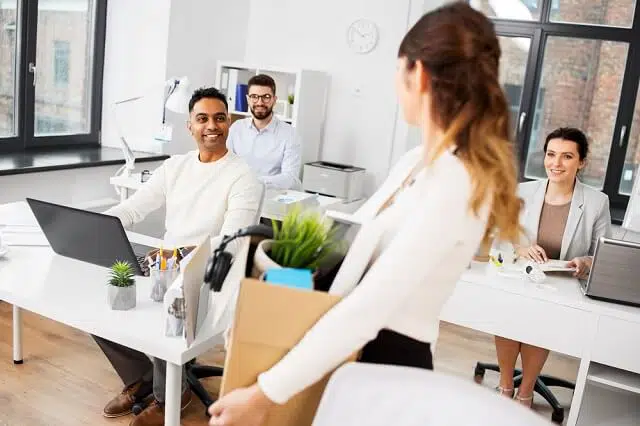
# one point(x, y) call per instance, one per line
point(140, 406)
point(557, 416)
point(137, 408)
point(478, 374)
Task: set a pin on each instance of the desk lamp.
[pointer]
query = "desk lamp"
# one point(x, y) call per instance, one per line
point(176, 100)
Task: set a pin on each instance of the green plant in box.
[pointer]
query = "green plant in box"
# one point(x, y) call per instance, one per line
point(303, 240)
point(122, 275)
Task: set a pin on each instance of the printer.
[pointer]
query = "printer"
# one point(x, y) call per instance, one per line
point(333, 179)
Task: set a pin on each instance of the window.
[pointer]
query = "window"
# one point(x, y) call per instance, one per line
point(61, 63)
point(51, 60)
point(574, 63)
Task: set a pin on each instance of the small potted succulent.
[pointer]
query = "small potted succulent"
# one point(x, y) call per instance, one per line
point(122, 287)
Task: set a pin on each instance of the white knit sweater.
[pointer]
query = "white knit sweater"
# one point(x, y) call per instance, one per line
point(201, 199)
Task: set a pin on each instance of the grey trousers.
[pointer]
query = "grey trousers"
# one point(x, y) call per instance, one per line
point(133, 366)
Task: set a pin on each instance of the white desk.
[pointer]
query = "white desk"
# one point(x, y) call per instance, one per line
point(74, 293)
point(557, 316)
point(126, 184)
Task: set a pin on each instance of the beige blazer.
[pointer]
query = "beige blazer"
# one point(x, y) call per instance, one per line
point(589, 217)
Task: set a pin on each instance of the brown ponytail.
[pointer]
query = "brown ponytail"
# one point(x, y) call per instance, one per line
point(458, 47)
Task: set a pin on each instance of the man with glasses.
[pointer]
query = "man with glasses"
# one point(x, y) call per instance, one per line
point(268, 144)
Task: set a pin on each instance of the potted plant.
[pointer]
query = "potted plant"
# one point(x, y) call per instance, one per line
point(289, 110)
point(122, 287)
point(304, 240)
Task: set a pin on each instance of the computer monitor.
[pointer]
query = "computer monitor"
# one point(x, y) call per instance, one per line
point(344, 229)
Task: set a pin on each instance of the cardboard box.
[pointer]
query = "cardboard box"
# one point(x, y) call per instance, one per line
point(269, 320)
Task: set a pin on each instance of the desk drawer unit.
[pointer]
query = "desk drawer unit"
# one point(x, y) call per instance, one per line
point(617, 343)
point(538, 322)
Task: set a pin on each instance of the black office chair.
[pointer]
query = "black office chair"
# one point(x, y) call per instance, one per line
point(194, 373)
point(542, 385)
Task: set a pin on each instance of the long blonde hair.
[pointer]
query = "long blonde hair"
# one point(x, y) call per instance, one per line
point(458, 47)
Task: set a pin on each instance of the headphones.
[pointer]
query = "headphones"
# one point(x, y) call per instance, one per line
point(219, 264)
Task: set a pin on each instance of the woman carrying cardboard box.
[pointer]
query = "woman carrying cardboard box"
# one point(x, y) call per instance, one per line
point(430, 220)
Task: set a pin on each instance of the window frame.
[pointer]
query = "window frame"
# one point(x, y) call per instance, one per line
point(540, 31)
point(27, 16)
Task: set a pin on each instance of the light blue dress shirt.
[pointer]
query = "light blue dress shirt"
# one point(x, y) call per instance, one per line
point(273, 152)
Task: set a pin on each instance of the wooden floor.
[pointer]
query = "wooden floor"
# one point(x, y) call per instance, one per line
point(66, 380)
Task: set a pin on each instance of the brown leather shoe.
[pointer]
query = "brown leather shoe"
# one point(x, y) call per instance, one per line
point(122, 404)
point(153, 415)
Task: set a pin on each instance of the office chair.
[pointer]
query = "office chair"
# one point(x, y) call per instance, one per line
point(380, 395)
point(543, 382)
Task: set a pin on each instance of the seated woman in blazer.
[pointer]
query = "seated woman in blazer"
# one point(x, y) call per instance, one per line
point(563, 219)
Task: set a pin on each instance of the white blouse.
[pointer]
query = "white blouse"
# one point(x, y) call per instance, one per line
point(425, 240)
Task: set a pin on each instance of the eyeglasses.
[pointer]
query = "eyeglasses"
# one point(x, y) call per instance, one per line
point(265, 98)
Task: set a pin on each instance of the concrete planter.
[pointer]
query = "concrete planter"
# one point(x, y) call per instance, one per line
point(121, 298)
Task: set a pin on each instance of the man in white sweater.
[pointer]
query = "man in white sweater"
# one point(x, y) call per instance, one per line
point(207, 192)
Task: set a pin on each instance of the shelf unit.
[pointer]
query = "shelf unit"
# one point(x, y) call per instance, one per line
point(611, 397)
point(309, 88)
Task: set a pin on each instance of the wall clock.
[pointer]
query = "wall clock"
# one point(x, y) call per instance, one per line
point(362, 36)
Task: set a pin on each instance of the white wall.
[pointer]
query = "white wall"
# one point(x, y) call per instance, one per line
point(361, 110)
point(135, 64)
point(86, 188)
point(149, 41)
point(202, 32)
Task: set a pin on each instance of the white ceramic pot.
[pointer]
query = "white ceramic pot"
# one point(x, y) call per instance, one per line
point(261, 260)
point(121, 298)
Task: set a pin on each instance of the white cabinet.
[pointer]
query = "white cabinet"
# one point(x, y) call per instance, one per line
point(309, 91)
point(611, 397)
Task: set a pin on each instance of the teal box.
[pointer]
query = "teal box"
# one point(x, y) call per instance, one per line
point(290, 277)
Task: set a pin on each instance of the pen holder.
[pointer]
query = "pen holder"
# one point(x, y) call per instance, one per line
point(160, 282)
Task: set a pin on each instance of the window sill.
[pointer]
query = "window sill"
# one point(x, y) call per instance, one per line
point(44, 160)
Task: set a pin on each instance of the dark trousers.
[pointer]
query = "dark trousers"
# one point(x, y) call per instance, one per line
point(394, 348)
point(133, 366)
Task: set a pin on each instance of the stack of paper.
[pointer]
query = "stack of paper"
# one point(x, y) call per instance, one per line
point(19, 227)
point(278, 203)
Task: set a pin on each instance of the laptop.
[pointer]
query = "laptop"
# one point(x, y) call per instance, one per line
point(88, 236)
point(614, 273)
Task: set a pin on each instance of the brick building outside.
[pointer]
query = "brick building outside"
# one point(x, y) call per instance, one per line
point(62, 68)
point(580, 87)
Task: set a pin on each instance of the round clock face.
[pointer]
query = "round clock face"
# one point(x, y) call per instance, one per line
point(362, 36)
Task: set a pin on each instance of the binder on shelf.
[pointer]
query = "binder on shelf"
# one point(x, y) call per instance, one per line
point(232, 82)
point(241, 97)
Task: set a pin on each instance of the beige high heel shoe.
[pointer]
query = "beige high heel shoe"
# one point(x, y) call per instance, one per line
point(504, 391)
point(527, 401)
